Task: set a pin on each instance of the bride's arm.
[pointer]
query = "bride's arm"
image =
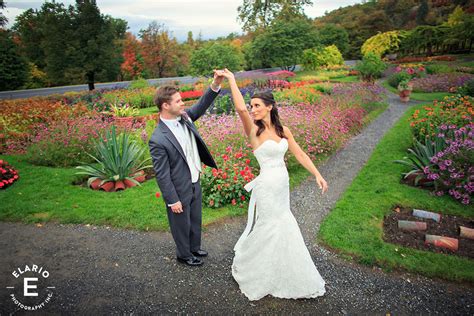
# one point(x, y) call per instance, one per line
point(239, 103)
point(304, 160)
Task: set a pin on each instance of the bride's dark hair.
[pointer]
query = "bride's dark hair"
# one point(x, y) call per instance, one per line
point(268, 100)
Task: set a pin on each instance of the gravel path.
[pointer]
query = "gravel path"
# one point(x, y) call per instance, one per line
point(101, 270)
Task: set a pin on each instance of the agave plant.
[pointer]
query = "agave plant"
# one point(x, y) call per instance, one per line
point(420, 157)
point(118, 158)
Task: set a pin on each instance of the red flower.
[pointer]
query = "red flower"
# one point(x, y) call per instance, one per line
point(247, 161)
point(242, 197)
point(157, 194)
point(1, 184)
point(211, 202)
point(225, 157)
point(242, 173)
point(234, 202)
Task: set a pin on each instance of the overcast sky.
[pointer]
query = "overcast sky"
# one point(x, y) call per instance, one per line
point(210, 17)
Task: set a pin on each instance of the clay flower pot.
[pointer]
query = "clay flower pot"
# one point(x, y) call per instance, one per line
point(95, 185)
point(129, 183)
point(119, 185)
point(405, 95)
point(108, 186)
point(140, 176)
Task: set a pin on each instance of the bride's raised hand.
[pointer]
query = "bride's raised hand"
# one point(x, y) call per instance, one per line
point(228, 74)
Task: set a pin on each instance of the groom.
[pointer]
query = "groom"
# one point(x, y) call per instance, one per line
point(177, 151)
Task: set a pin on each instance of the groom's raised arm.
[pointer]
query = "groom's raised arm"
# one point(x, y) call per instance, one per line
point(205, 101)
point(162, 172)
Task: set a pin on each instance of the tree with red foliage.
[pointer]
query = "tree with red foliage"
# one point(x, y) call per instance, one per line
point(133, 64)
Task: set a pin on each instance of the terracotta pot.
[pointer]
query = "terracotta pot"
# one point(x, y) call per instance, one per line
point(124, 121)
point(140, 176)
point(119, 185)
point(95, 185)
point(108, 186)
point(129, 183)
point(442, 241)
point(405, 95)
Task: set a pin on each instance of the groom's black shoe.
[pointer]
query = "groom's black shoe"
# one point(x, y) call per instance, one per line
point(200, 253)
point(193, 261)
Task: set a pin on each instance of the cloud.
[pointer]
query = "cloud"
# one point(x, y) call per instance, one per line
point(210, 17)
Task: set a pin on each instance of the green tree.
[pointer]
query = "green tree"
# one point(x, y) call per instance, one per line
point(422, 12)
point(28, 28)
point(3, 19)
point(332, 34)
point(255, 14)
point(371, 67)
point(283, 43)
point(13, 67)
point(94, 41)
point(319, 57)
point(54, 22)
point(215, 56)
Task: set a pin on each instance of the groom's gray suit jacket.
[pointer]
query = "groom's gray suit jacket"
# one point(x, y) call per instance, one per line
point(171, 168)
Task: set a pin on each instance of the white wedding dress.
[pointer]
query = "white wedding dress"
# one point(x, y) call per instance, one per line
point(271, 257)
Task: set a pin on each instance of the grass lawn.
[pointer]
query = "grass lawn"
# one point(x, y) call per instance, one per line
point(354, 226)
point(419, 96)
point(345, 79)
point(147, 111)
point(46, 194)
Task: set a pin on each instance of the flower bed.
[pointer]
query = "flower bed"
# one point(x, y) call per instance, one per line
point(451, 111)
point(20, 119)
point(8, 175)
point(444, 147)
point(190, 95)
point(422, 59)
point(441, 82)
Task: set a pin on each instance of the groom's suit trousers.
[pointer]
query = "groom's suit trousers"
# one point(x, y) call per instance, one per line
point(186, 226)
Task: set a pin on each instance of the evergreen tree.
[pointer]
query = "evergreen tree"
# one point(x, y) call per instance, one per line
point(422, 12)
point(13, 67)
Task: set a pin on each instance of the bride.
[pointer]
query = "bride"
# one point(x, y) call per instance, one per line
point(271, 257)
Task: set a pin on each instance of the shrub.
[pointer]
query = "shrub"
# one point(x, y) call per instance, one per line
point(438, 69)
point(226, 185)
point(468, 88)
point(319, 57)
point(381, 43)
point(8, 175)
point(138, 84)
point(371, 67)
point(396, 78)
